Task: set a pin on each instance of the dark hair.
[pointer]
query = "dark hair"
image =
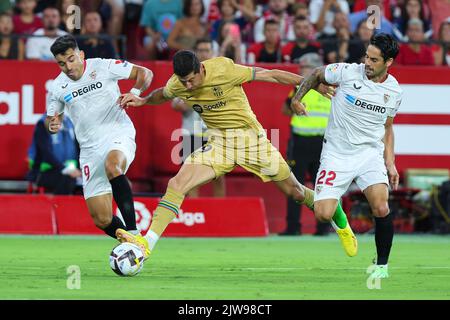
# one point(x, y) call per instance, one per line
point(405, 16)
point(185, 62)
point(301, 18)
point(62, 44)
point(270, 21)
point(200, 41)
point(387, 45)
point(220, 3)
point(187, 8)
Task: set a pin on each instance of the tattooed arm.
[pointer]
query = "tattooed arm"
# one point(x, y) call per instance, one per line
point(312, 81)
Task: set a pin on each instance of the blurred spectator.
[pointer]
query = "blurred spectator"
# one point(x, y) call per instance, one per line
point(39, 47)
point(194, 129)
point(440, 11)
point(189, 29)
point(53, 158)
point(212, 13)
point(269, 50)
point(26, 22)
point(292, 51)
point(158, 18)
point(358, 47)
point(336, 47)
point(278, 12)
point(360, 5)
point(98, 45)
point(67, 16)
point(441, 51)
point(415, 53)
point(5, 7)
point(230, 43)
point(385, 25)
point(411, 9)
point(228, 9)
point(345, 47)
point(10, 47)
point(300, 9)
point(115, 22)
point(322, 14)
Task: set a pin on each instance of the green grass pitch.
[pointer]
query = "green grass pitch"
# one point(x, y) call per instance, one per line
point(293, 268)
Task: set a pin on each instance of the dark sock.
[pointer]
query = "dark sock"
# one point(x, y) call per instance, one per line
point(384, 232)
point(124, 199)
point(116, 223)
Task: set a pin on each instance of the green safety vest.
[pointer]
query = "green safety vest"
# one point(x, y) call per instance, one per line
point(318, 108)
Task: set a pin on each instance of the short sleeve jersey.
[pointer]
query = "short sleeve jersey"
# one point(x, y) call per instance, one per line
point(220, 101)
point(359, 109)
point(91, 101)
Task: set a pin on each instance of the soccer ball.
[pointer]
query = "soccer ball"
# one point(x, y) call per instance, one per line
point(126, 259)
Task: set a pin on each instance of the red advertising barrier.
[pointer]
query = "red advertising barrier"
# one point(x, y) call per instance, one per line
point(31, 214)
point(22, 101)
point(203, 217)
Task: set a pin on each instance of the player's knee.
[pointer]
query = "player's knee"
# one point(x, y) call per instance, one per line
point(102, 222)
point(380, 210)
point(322, 213)
point(112, 169)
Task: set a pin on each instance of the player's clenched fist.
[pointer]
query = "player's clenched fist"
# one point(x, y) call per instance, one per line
point(130, 100)
point(298, 108)
point(54, 124)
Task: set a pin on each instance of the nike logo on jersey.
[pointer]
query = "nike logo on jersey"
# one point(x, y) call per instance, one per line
point(357, 88)
point(65, 86)
point(188, 97)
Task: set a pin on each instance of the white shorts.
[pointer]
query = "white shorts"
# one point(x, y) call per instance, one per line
point(338, 171)
point(92, 161)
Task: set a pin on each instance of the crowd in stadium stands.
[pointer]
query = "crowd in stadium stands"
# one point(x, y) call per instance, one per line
point(247, 31)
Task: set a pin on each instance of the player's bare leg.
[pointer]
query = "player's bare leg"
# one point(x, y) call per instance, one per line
point(377, 196)
point(219, 187)
point(115, 165)
point(330, 210)
point(303, 195)
point(295, 190)
point(190, 176)
point(100, 209)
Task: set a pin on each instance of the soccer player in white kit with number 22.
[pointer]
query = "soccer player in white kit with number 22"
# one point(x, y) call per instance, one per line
point(88, 92)
point(359, 139)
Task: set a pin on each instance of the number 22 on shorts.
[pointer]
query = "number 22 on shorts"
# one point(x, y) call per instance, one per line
point(328, 176)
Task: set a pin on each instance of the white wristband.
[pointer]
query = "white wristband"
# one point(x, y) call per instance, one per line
point(135, 91)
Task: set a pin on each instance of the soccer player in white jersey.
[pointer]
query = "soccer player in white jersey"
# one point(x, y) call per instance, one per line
point(88, 92)
point(359, 139)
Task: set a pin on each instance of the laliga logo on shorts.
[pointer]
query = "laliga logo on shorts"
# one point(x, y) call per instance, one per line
point(189, 218)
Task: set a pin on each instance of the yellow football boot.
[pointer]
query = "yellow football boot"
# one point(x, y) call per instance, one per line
point(347, 238)
point(140, 241)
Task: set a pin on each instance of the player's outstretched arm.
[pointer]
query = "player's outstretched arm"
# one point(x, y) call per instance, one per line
point(310, 82)
point(155, 97)
point(277, 76)
point(389, 156)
